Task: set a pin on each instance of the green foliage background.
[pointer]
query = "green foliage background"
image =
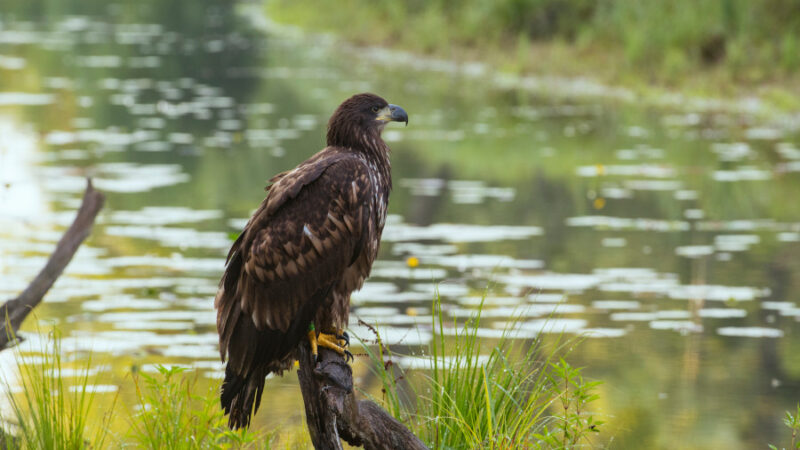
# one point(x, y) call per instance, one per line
point(752, 40)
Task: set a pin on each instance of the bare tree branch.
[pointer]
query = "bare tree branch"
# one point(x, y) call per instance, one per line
point(332, 411)
point(14, 311)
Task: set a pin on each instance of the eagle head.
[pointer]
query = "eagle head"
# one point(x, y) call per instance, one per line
point(362, 116)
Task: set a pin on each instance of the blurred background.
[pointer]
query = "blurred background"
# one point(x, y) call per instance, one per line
point(624, 171)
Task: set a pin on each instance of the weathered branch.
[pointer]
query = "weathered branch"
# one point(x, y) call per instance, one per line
point(332, 411)
point(14, 311)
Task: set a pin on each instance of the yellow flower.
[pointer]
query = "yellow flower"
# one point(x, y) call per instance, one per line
point(412, 261)
point(599, 203)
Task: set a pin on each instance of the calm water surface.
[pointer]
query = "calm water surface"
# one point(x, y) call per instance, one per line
point(668, 235)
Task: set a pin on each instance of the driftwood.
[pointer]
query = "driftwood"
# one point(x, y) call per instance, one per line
point(332, 411)
point(14, 311)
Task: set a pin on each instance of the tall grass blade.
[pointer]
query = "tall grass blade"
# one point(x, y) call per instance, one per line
point(476, 395)
point(49, 413)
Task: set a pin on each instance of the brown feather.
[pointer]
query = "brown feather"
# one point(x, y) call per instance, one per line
point(350, 225)
point(336, 222)
point(316, 243)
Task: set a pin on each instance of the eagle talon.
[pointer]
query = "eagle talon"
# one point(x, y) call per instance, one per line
point(333, 342)
point(343, 336)
point(348, 357)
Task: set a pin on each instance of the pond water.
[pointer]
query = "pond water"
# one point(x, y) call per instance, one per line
point(667, 232)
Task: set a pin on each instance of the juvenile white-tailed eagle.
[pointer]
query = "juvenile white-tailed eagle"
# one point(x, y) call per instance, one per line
point(310, 244)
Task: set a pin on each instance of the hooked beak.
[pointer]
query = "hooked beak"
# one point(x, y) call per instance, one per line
point(393, 113)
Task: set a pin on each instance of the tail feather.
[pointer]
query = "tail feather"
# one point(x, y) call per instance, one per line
point(241, 396)
point(253, 354)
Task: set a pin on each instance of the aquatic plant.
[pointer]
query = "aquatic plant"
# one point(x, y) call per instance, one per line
point(520, 395)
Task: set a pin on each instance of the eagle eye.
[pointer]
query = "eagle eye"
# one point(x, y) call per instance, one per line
point(375, 109)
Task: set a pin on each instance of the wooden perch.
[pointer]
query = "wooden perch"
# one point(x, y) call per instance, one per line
point(14, 311)
point(332, 411)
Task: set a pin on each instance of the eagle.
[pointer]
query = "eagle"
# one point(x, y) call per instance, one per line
point(307, 247)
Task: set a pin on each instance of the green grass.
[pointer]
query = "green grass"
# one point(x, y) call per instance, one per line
point(173, 410)
point(174, 413)
point(516, 396)
point(50, 413)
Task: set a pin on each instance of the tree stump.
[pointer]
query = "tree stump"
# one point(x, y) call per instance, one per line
point(333, 413)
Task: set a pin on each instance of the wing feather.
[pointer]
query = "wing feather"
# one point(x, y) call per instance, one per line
point(302, 238)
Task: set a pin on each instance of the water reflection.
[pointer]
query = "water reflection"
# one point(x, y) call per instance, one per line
point(664, 235)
